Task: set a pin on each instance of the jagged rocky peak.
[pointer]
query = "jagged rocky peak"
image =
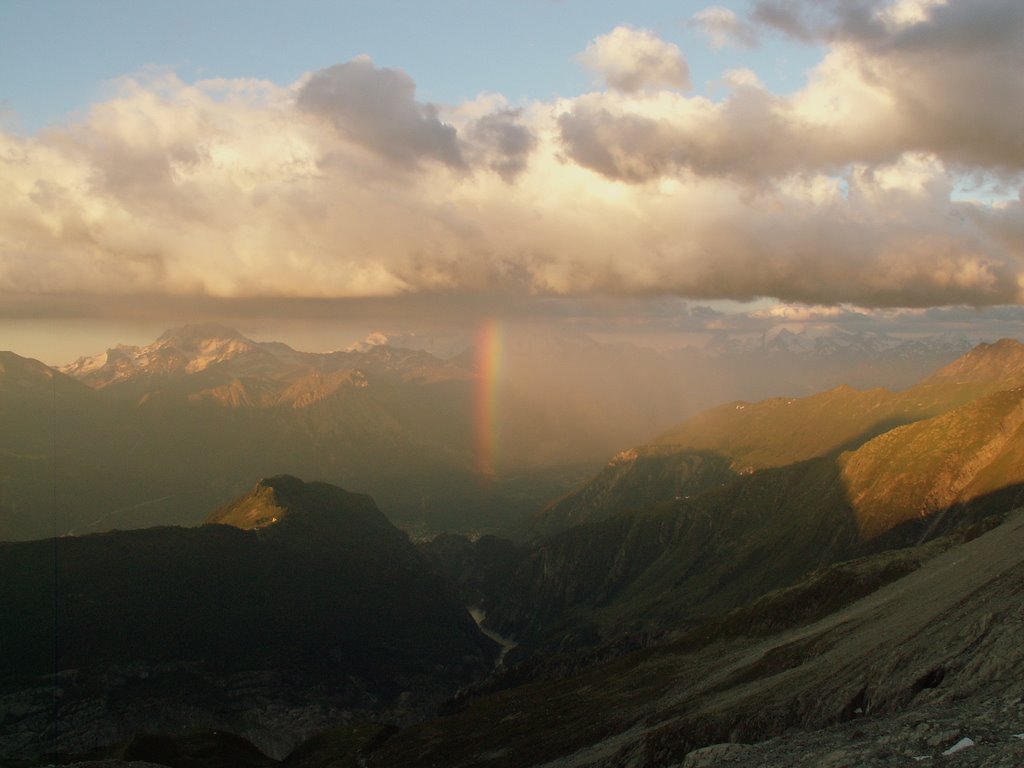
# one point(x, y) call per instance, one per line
point(197, 335)
point(204, 344)
point(115, 361)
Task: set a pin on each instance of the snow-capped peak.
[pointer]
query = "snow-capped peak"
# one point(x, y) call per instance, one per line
point(189, 349)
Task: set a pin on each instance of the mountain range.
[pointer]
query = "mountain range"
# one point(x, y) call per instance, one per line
point(845, 564)
point(830, 580)
point(741, 438)
point(750, 497)
point(147, 435)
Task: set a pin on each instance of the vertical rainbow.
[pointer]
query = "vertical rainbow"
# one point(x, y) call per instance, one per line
point(489, 358)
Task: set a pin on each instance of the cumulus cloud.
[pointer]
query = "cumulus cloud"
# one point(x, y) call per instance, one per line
point(787, 16)
point(632, 60)
point(747, 136)
point(343, 185)
point(913, 77)
point(504, 142)
point(924, 74)
point(723, 27)
point(377, 109)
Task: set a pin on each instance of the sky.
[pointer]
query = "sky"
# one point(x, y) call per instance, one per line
point(317, 171)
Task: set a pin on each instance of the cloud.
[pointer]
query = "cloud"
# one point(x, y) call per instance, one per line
point(377, 109)
point(912, 77)
point(748, 136)
point(800, 313)
point(502, 142)
point(923, 75)
point(723, 27)
point(787, 16)
point(631, 60)
point(342, 187)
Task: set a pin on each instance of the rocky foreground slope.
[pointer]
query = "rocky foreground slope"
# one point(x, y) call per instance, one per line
point(929, 669)
point(895, 678)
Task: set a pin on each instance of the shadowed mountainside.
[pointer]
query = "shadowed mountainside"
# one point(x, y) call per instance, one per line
point(678, 535)
point(741, 438)
point(931, 657)
point(329, 600)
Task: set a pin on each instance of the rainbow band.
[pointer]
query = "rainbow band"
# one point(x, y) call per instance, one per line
point(489, 355)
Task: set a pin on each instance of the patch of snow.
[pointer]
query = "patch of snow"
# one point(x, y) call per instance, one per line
point(210, 351)
point(624, 457)
point(86, 364)
point(375, 339)
point(964, 743)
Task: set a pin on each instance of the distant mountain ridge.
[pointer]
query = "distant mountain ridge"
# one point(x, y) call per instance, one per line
point(787, 363)
point(399, 423)
point(192, 417)
point(732, 552)
point(271, 370)
point(836, 341)
point(189, 349)
point(1000, 363)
